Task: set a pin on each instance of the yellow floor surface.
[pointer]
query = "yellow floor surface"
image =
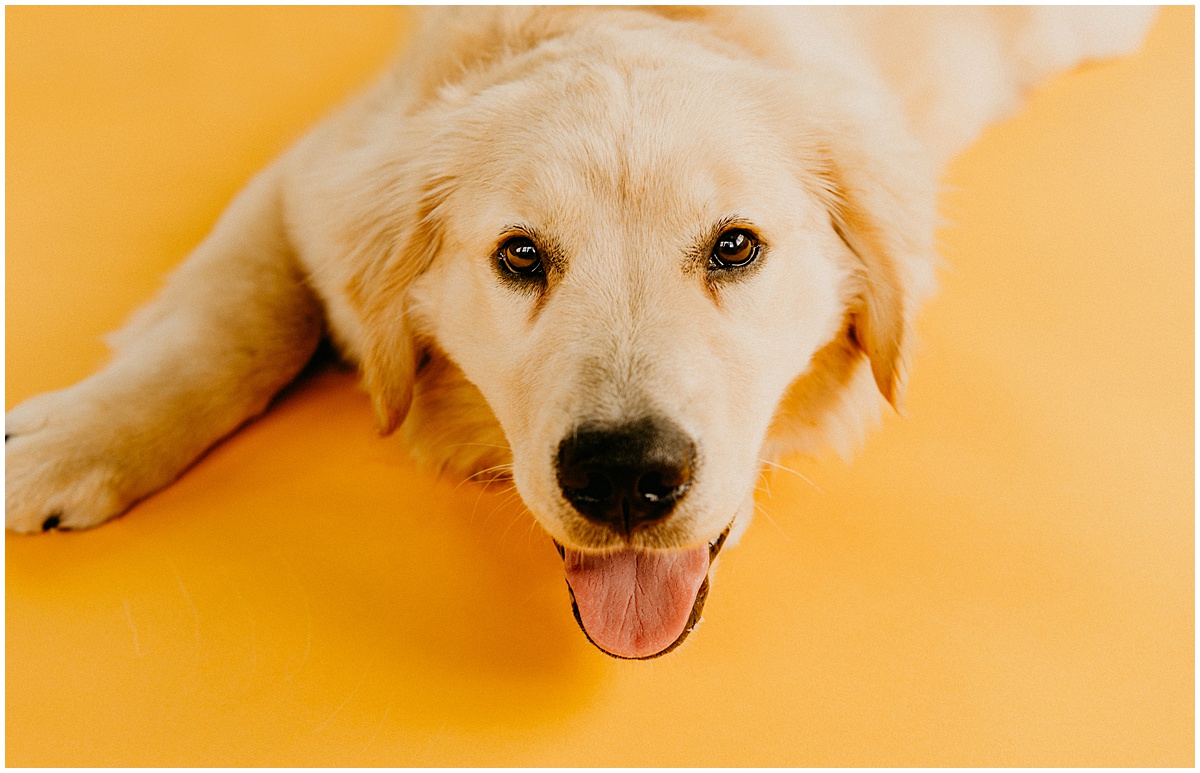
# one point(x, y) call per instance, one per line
point(1002, 577)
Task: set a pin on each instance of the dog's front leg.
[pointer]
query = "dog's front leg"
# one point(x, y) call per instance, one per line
point(234, 324)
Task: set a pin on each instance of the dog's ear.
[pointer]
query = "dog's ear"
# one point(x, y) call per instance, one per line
point(882, 204)
point(391, 247)
point(880, 316)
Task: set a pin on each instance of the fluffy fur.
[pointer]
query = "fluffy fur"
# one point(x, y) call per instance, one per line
point(621, 139)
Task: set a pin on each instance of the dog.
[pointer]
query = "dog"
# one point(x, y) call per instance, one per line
point(624, 257)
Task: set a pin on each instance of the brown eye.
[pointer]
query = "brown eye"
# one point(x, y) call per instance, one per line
point(734, 248)
point(520, 256)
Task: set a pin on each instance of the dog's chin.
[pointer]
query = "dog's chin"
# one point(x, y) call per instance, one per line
point(635, 603)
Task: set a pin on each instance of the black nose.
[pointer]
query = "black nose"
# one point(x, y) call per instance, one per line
point(626, 475)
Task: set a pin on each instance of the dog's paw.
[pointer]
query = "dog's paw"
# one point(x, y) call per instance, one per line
point(65, 468)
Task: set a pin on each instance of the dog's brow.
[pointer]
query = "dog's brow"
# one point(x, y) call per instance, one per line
point(697, 252)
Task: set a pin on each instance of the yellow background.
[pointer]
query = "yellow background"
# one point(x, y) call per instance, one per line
point(1005, 576)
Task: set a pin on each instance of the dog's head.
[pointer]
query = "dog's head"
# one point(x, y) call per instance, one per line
point(642, 258)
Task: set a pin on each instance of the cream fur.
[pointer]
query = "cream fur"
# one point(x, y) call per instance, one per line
point(621, 136)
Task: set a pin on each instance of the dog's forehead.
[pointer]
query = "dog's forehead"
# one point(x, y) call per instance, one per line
point(660, 152)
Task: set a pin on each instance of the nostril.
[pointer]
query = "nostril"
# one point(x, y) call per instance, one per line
point(597, 488)
point(657, 487)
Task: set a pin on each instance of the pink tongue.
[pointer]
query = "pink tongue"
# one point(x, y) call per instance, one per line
point(635, 603)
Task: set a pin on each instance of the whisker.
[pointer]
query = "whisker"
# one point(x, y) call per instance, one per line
point(766, 484)
point(801, 475)
point(479, 498)
point(511, 495)
point(504, 466)
point(533, 525)
point(767, 515)
point(493, 479)
point(516, 518)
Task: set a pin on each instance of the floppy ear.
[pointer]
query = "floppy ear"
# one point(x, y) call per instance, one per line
point(880, 320)
point(882, 204)
point(388, 238)
point(387, 263)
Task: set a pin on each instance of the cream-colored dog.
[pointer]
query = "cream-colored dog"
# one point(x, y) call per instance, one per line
point(628, 255)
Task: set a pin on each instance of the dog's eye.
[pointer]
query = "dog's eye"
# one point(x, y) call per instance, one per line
point(520, 256)
point(734, 248)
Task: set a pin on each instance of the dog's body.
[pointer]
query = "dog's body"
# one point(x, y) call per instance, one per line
point(626, 255)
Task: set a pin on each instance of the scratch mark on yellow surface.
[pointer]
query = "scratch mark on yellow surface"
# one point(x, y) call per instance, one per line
point(329, 719)
point(137, 645)
point(191, 608)
point(433, 742)
point(382, 719)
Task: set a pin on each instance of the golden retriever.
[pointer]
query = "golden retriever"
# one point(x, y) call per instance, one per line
point(627, 256)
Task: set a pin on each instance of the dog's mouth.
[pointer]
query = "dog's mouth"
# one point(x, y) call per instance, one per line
point(639, 604)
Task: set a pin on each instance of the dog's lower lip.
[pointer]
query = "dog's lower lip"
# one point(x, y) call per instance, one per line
point(714, 547)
